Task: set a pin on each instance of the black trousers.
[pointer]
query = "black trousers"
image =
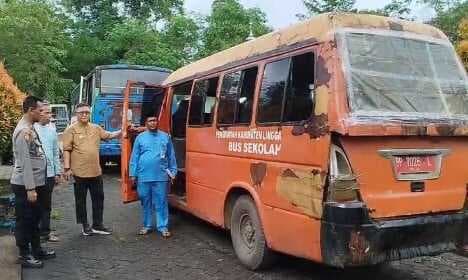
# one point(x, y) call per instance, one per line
point(95, 187)
point(45, 202)
point(27, 220)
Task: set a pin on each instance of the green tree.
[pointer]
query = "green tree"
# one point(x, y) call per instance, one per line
point(135, 42)
point(94, 16)
point(85, 52)
point(441, 5)
point(462, 47)
point(154, 10)
point(400, 8)
point(182, 34)
point(109, 31)
point(325, 6)
point(230, 24)
point(101, 15)
point(396, 8)
point(33, 45)
point(449, 18)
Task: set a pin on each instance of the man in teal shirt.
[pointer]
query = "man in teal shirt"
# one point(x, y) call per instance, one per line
point(49, 141)
point(152, 165)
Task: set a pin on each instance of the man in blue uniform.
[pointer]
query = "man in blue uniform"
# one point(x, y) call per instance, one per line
point(152, 165)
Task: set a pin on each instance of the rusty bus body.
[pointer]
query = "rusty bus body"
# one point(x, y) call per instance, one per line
point(341, 140)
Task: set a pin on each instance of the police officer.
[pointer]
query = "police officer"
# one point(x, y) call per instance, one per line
point(28, 176)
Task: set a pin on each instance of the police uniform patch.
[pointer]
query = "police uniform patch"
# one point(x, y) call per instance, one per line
point(28, 135)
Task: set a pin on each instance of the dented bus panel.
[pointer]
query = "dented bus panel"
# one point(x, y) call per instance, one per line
point(340, 140)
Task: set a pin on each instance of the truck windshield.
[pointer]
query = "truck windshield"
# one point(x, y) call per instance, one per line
point(403, 76)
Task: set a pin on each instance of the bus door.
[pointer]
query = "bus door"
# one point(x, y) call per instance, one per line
point(133, 122)
point(179, 111)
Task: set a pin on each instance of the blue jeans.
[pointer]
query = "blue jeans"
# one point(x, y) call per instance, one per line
point(153, 195)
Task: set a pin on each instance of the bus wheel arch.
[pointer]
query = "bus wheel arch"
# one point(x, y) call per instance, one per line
point(243, 218)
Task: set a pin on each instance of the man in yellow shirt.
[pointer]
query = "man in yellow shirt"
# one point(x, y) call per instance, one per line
point(81, 160)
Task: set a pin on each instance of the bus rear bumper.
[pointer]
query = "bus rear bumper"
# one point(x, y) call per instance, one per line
point(350, 238)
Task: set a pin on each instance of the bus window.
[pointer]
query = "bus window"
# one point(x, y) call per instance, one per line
point(236, 98)
point(286, 94)
point(203, 102)
point(299, 94)
point(152, 108)
point(179, 110)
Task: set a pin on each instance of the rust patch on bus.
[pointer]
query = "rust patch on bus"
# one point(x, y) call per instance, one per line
point(445, 130)
point(395, 26)
point(414, 130)
point(461, 131)
point(326, 54)
point(322, 97)
point(322, 73)
point(359, 247)
point(257, 173)
point(315, 126)
point(303, 189)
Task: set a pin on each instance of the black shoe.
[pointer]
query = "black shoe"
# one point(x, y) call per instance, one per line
point(101, 230)
point(44, 254)
point(87, 230)
point(29, 261)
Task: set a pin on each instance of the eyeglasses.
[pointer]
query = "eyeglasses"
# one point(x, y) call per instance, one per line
point(83, 113)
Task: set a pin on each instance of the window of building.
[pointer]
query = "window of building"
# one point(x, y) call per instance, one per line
point(236, 97)
point(287, 90)
point(203, 102)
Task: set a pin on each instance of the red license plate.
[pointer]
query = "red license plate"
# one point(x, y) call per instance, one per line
point(414, 164)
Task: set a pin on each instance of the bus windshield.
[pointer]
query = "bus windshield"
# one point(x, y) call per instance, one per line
point(113, 81)
point(390, 75)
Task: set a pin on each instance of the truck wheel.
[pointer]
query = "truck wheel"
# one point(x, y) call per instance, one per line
point(247, 235)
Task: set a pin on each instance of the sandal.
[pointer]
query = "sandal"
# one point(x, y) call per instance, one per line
point(144, 231)
point(166, 234)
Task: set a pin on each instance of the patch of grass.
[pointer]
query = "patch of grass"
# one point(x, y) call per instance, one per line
point(5, 187)
point(55, 215)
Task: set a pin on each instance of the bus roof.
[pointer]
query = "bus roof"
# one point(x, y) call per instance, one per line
point(129, 66)
point(316, 29)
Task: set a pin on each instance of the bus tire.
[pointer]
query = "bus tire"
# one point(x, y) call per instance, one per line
point(247, 235)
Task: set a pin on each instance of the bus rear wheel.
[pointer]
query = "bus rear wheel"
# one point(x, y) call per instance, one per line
point(247, 235)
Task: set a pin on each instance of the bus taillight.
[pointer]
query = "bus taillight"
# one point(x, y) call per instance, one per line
point(343, 186)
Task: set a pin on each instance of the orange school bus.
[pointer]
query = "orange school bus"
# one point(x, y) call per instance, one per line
point(341, 140)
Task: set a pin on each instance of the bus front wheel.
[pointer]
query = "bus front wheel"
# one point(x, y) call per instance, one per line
point(247, 235)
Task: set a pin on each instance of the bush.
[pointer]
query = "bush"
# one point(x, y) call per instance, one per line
point(10, 112)
point(462, 46)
